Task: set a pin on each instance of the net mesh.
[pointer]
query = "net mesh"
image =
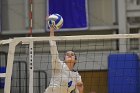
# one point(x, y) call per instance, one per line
point(103, 68)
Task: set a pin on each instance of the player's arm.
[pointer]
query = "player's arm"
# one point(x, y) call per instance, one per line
point(80, 87)
point(79, 84)
point(51, 31)
point(54, 52)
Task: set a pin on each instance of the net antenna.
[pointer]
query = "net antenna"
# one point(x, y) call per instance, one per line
point(31, 42)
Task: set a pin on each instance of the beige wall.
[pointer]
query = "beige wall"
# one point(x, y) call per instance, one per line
point(100, 12)
point(39, 9)
point(14, 14)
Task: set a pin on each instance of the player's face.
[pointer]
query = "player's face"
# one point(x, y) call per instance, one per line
point(70, 58)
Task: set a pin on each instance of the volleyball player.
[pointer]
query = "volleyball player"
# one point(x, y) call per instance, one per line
point(64, 79)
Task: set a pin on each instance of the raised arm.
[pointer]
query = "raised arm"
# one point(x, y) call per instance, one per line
point(54, 52)
point(51, 32)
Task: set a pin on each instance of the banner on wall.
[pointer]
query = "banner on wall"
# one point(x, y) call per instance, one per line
point(74, 13)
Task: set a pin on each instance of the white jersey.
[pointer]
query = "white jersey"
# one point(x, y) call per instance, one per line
point(63, 80)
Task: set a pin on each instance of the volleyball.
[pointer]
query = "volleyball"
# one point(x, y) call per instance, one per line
point(56, 21)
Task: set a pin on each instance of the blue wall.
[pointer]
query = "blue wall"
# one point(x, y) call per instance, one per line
point(123, 73)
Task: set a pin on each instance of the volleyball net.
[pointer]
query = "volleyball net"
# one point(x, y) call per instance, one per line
point(25, 62)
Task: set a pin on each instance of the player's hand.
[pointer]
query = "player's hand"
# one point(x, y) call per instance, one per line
point(53, 25)
point(80, 87)
point(79, 84)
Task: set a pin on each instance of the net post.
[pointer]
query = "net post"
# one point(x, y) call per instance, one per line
point(31, 55)
point(10, 60)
